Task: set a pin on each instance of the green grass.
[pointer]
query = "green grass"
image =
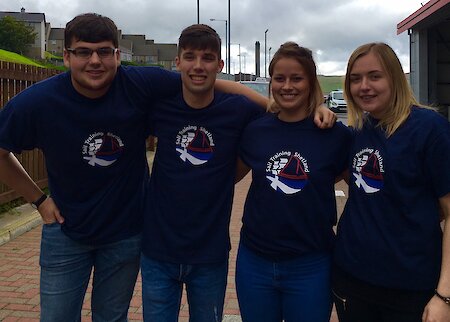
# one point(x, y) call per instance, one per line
point(329, 83)
point(16, 58)
point(51, 56)
point(19, 59)
point(9, 207)
point(49, 59)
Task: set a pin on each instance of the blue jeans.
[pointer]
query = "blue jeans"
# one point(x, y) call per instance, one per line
point(66, 267)
point(162, 286)
point(296, 290)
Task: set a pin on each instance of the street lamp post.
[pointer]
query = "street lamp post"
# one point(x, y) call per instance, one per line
point(240, 70)
point(229, 36)
point(265, 53)
point(244, 55)
point(239, 55)
point(227, 67)
point(198, 11)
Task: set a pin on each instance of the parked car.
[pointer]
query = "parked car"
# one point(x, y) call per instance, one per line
point(261, 85)
point(336, 101)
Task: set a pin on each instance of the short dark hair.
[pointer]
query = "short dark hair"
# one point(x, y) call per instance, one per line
point(200, 36)
point(91, 27)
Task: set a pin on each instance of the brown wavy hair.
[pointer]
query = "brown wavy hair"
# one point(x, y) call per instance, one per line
point(305, 58)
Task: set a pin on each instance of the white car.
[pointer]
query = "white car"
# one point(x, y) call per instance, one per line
point(336, 101)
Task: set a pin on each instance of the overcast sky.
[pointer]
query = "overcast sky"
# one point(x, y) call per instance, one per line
point(331, 29)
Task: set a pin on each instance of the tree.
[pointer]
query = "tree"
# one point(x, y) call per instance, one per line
point(15, 35)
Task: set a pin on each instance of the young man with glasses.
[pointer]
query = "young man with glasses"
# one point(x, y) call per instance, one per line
point(90, 125)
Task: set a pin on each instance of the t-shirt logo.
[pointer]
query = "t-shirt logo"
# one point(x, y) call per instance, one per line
point(102, 149)
point(287, 172)
point(195, 144)
point(368, 170)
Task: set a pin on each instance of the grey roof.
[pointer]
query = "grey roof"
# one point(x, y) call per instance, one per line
point(24, 16)
point(136, 39)
point(126, 43)
point(56, 34)
point(167, 52)
point(145, 50)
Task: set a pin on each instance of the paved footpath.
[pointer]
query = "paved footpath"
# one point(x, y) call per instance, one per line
point(19, 273)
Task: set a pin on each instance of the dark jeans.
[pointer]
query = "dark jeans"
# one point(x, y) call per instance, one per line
point(66, 267)
point(358, 301)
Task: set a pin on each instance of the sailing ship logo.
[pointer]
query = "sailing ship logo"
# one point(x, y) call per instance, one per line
point(368, 170)
point(287, 172)
point(102, 149)
point(195, 144)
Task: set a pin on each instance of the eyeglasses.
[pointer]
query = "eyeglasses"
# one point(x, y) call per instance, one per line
point(86, 53)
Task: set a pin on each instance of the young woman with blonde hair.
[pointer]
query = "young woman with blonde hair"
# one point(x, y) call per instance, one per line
point(392, 260)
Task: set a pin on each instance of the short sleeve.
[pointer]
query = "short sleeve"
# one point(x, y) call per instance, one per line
point(17, 126)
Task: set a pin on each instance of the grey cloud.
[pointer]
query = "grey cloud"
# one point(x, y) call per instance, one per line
point(331, 29)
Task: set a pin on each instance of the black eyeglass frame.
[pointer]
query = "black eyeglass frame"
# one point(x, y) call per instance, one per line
point(102, 53)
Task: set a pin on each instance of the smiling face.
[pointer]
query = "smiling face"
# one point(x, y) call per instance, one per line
point(198, 68)
point(369, 85)
point(290, 89)
point(92, 76)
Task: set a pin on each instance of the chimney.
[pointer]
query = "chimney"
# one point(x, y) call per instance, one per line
point(22, 10)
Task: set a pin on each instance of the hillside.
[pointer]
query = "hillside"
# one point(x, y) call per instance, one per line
point(328, 83)
point(16, 58)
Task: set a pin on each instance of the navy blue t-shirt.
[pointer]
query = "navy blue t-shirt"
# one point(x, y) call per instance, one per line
point(192, 183)
point(389, 234)
point(291, 208)
point(94, 148)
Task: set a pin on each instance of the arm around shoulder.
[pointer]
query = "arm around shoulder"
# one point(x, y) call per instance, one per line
point(324, 118)
point(237, 88)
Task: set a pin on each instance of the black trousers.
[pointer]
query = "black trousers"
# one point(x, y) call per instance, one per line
point(358, 301)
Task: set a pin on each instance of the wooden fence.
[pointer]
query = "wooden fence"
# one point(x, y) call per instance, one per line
point(14, 78)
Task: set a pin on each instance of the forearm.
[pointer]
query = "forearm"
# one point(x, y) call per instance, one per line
point(444, 281)
point(14, 176)
point(237, 88)
point(437, 310)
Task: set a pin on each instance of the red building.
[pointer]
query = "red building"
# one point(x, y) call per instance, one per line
point(429, 33)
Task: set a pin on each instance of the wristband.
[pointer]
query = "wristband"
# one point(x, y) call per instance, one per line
point(37, 203)
point(446, 299)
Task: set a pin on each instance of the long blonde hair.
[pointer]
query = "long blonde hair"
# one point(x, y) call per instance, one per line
point(402, 97)
point(304, 57)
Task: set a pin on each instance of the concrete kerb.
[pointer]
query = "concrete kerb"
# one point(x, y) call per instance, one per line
point(18, 221)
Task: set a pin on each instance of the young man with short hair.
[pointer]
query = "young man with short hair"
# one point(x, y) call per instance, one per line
point(186, 238)
point(90, 125)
